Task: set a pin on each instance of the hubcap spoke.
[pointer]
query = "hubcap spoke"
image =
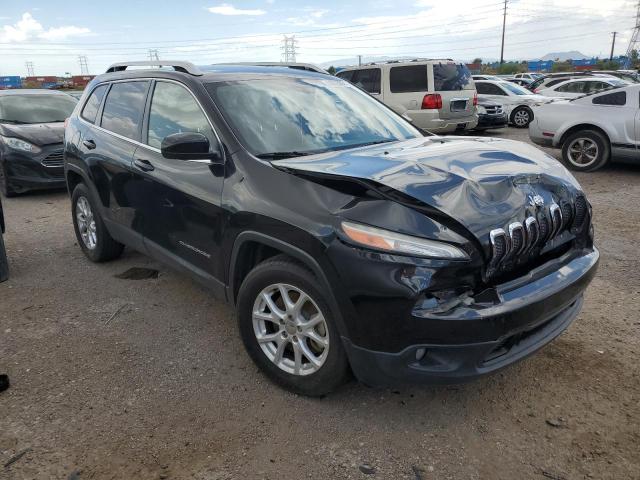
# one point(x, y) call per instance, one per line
point(86, 223)
point(290, 329)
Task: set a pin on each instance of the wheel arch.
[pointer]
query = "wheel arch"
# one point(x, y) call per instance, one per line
point(583, 126)
point(252, 247)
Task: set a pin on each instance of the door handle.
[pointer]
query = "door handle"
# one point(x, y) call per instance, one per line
point(144, 165)
point(90, 144)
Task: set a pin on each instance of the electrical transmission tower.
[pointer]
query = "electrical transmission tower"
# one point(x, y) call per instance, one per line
point(635, 39)
point(84, 66)
point(289, 48)
point(29, 66)
point(153, 56)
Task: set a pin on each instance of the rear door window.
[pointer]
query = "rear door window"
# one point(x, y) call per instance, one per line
point(450, 77)
point(90, 110)
point(412, 78)
point(367, 79)
point(123, 108)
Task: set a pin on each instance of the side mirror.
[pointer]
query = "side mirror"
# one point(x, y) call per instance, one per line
point(188, 146)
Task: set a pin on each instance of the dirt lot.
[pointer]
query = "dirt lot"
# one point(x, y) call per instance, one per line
point(164, 389)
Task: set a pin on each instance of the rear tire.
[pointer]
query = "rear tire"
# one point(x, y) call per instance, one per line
point(91, 232)
point(299, 346)
point(586, 151)
point(521, 117)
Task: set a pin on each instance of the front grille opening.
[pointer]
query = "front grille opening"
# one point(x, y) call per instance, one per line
point(581, 212)
point(520, 270)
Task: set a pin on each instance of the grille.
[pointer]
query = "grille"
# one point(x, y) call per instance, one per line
point(581, 212)
point(493, 109)
point(536, 231)
point(55, 159)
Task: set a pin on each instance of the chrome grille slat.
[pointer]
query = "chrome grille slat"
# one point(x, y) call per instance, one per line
point(556, 219)
point(533, 232)
point(516, 236)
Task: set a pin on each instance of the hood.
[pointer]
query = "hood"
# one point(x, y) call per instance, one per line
point(481, 183)
point(39, 134)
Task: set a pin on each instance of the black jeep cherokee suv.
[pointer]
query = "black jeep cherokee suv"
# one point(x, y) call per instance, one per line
point(348, 241)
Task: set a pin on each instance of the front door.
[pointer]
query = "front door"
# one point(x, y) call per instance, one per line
point(181, 208)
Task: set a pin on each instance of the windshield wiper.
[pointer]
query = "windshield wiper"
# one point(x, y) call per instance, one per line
point(365, 144)
point(14, 122)
point(281, 155)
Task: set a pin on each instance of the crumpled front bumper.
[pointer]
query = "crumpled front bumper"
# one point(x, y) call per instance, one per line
point(471, 341)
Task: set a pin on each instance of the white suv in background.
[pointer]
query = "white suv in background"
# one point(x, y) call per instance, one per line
point(437, 95)
point(592, 129)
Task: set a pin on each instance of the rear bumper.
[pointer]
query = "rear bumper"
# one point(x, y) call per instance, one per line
point(430, 120)
point(25, 171)
point(469, 342)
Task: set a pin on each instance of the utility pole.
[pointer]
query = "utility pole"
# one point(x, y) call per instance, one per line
point(29, 66)
point(359, 60)
point(613, 45)
point(84, 66)
point(289, 49)
point(153, 55)
point(504, 26)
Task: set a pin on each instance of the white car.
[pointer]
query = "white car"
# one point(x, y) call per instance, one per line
point(517, 101)
point(528, 75)
point(486, 77)
point(592, 129)
point(577, 87)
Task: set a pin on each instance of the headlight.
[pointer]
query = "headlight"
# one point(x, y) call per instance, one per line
point(398, 243)
point(481, 109)
point(18, 144)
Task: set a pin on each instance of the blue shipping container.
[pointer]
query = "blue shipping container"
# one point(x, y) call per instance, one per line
point(10, 82)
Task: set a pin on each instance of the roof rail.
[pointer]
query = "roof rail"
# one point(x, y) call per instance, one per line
point(178, 66)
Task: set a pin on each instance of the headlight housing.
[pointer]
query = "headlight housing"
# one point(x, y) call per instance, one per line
point(17, 144)
point(394, 242)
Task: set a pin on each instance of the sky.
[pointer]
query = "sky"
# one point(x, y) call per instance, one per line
point(52, 35)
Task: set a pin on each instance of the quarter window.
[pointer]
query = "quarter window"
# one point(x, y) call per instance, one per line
point(174, 110)
point(122, 113)
point(615, 98)
point(489, 89)
point(412, 78)
point(90, 110)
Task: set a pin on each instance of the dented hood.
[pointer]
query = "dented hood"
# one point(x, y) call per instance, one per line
point(481, 183)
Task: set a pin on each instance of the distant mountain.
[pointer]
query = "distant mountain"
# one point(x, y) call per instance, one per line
point(564, 56)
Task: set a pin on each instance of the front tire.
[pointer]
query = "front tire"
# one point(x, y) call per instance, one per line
point(288, 330)
point(521, 117)
point(5, 188)
point(91, 232)
point(586, 151)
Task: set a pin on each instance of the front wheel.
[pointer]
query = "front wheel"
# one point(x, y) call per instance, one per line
point(521, 117)
point(288, 329)
point(586, 151)
point(5, 188)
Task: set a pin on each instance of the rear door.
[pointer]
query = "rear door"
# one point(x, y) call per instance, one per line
point(455, 85)
point(107, 145)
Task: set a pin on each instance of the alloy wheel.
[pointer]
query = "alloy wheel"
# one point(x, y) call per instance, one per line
point(521, 118)
point(86, 223)
point(583, 152)
point(290, 329)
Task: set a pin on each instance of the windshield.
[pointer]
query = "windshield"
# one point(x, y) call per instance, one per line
point(451, 77)
point(297, 116)
point(35, 108)
point(513, 88)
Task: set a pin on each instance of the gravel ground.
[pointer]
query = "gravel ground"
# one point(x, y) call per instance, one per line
point(146, 379)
